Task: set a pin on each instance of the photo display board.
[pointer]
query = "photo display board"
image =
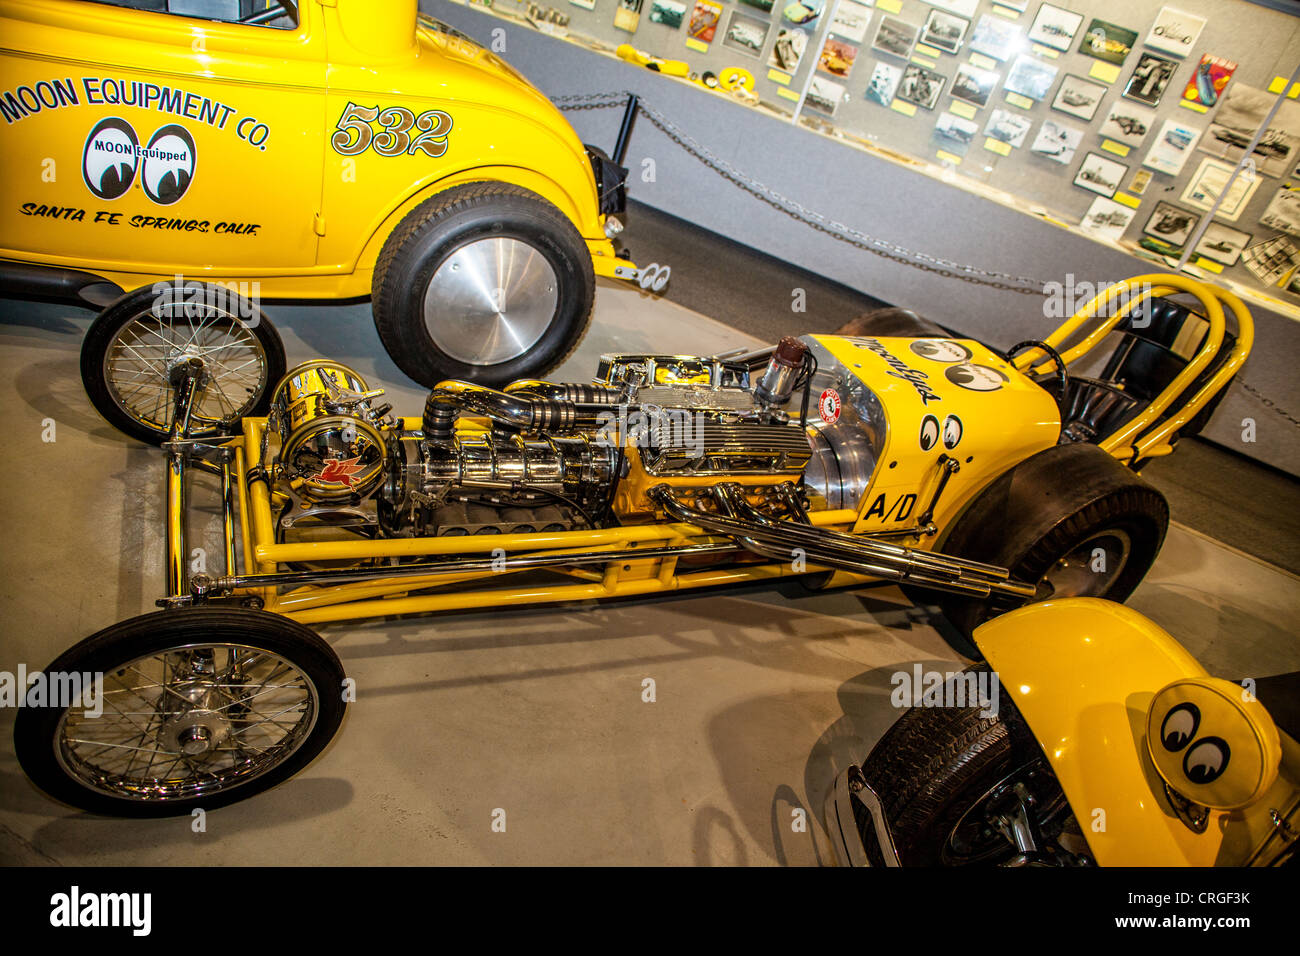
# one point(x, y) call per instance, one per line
point(1123, 119)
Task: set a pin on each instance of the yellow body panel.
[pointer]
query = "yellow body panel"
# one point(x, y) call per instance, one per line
point(273, 193)
point(997, 428)
point(1084, 672)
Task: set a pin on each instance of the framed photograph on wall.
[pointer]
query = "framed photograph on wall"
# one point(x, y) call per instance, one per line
point(1150, 77)
point(1127, 123)
point(851, 20)
point(1222, 244)
point(824, 95)
point(1055, 27)
point(1210, 181)
point(1171, 224)
point(1175, 31)
point(1079, 97)
point(944, 31)
point(884, 83)
point(1100, 175)
point(1030, 77)
point(1106, 41)
point(1057, 142)
point(748, 35)
point(627, 15)
point(955, 131)
point(1241, 113)
point(1283, 211)
point(996, 37)
point(1107, 219)
point(788, 49)
point(704, 21)
point(974, 85)
point(1008, 127)
point(670, 13)
point(1209, 79)
point(921, 86)
point(895, 37)
point(836, 58)
point(803, 12)
point(1168, 154)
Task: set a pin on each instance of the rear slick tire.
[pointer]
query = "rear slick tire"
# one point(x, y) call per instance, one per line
point(1071, 520)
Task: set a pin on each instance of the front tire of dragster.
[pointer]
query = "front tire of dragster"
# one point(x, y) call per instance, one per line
point(285, 667)
point(1071, 520)
point(485, 282)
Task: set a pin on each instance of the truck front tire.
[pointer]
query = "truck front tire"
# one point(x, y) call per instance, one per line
point(486, 283)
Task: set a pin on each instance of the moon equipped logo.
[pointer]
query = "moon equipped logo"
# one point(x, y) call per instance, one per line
point(110, 159)
point(113, 156)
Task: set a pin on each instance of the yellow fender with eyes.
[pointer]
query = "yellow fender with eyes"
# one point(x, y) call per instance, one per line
point(1124, 714)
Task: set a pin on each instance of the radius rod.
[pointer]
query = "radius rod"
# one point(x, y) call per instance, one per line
point(777, 539)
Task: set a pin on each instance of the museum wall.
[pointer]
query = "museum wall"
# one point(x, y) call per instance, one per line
point(921, 206)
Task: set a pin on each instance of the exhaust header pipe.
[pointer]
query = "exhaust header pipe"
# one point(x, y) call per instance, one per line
point(774, 539)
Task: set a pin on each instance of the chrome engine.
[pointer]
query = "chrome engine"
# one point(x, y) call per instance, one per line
point(542, 456)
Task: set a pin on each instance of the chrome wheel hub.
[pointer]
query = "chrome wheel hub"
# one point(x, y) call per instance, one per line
point(189, 721)
point(1091, 568)
point(195, 732)
point(490, 301)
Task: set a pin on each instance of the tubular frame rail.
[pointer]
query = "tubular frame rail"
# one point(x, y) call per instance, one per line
point(419, 574)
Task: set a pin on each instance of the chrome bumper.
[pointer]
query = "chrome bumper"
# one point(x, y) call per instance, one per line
point(842, 816)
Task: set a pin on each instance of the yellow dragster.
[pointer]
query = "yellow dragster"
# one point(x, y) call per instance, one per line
point(308, 151)
point(896, 450)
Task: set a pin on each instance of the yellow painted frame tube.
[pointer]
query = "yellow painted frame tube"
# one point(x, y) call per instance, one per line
point(359, 599)
point(1245, 340)
point(539, 595)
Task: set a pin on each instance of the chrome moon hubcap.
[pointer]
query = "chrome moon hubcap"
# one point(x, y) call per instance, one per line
point(490, 301)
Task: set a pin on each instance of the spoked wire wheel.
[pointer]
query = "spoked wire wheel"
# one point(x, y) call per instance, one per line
point(199, 707)
point(136, 349)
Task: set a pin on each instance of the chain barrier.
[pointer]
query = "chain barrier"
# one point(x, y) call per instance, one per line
point(814, 220)
point(1267, 402)
point(836, 230)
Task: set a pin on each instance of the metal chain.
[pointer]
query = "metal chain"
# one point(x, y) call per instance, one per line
point(814, 220)
point(836, 230)
point(1268, 403)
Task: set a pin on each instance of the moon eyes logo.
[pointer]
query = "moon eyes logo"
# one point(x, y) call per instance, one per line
point(113, 156)
point(168, 165)
point(109, 161)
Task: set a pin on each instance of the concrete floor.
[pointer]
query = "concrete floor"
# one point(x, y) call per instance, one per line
point(763, 693)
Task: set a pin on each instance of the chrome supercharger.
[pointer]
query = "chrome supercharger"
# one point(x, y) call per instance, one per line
point(333, 448)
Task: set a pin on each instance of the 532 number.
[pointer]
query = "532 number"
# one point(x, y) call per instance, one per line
point(355, 134)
